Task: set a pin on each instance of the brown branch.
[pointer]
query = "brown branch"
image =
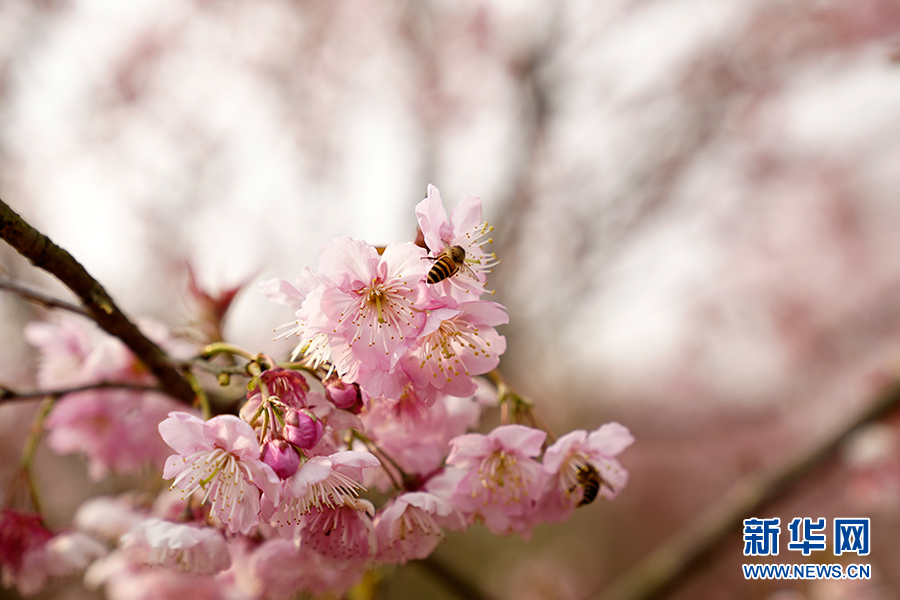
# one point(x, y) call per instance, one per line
point(7, 394)
point(665, 568)
point(43, 253)
point(39, 298)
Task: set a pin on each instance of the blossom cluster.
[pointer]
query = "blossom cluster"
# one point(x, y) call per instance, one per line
point(381, 394)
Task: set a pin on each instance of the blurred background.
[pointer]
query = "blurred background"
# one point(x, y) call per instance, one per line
point(697, 205)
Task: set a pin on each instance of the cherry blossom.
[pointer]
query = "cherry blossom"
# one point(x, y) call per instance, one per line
point(220, 457)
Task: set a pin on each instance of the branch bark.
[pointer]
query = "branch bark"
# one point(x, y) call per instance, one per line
point(43, 253)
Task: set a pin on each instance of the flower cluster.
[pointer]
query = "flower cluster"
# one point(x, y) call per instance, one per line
point(381, 392)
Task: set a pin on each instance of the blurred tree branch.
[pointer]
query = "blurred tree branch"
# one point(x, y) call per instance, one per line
point(7, 394)
point(43, 253)
point(667, 566)
point(39, 298)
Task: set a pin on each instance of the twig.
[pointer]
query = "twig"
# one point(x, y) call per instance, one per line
point(43, 253)
point(39, 298)
point(666, 567)
point(7, 394)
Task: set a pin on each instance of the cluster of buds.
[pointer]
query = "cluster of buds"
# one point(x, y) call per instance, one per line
point(381, 393)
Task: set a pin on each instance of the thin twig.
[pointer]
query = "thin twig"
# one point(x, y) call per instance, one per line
point(7, 394)
point(665, 567)
point(39, 298)
point(43, 253)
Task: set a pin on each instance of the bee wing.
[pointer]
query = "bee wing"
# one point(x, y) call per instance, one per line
point(466, 271)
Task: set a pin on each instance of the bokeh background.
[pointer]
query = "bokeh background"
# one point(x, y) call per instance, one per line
point(697, 205)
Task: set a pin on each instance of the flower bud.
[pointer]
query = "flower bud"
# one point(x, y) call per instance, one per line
point(342, 395)
point(302, 429)
point(283, 459)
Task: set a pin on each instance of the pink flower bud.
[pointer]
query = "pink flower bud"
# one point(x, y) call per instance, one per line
point(342, 395)
point(283, 459)
point(302, 429)
point(289, 386)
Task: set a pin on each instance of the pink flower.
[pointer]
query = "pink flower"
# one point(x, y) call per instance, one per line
point(221, 457)
point(344, 532)
point(279, 455)
point(502, 481)
point(369, 303)
point(115, 429)
point(464, 228)
point(321, 482)
point(582, 466)
point(457, 342)
point(181, 546)
point(278, 570)
point(124, 581)
point(409, 527)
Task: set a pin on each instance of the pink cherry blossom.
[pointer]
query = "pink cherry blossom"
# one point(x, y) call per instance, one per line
point(457, 342)
point(409, 527)
point(464, 228)
point(343, 532)
point(321, 482)
point(184, 547)
point(115, 429)
point(502, 481)
point(278, 570)
point(221, 457)
point(122, 580)
point(370, 302)
point(576, 452)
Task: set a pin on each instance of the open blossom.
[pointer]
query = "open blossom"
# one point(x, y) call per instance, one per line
point(457, 342)
point(221, 457)
point(502, 482)
point(410, 526)
point(182, 546)
point(369, 301)
point(464, 228)
point(321, 482)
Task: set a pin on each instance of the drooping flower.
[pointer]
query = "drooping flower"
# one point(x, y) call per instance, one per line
point(221, 457)
point(278, 570)
point(180, 546)
point(410, 526)
point(343, 532)
point(502, 481)
point(321, 482)
point(465, 229)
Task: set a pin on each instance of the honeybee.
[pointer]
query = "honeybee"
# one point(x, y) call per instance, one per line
point(590, 481)
point(448, 263)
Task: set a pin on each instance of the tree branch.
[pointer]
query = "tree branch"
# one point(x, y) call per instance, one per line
point(7, 394)
point(666, 567)
point(43, 253)
point(39, 298)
